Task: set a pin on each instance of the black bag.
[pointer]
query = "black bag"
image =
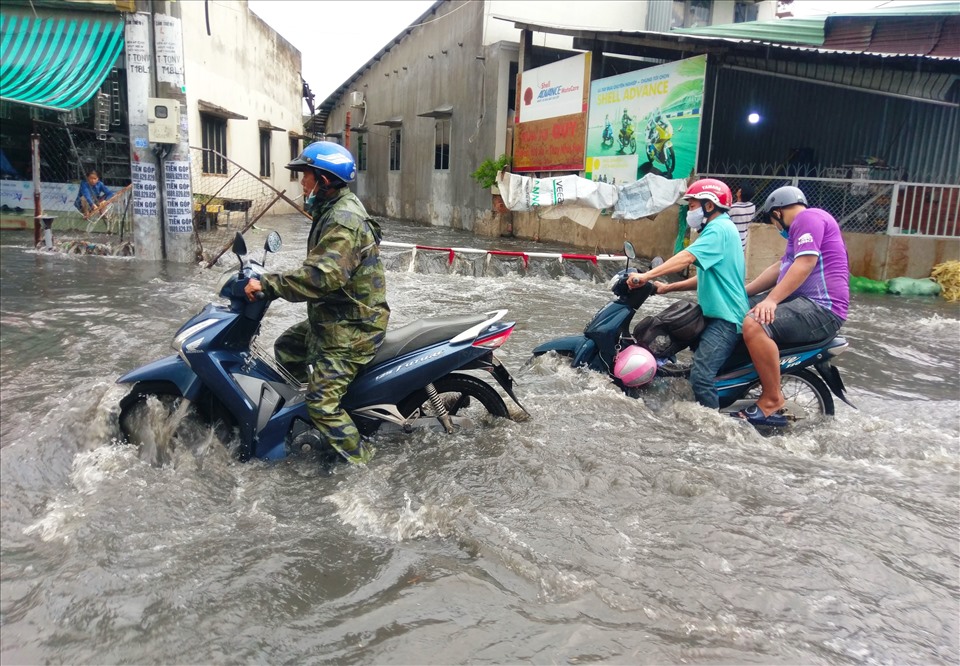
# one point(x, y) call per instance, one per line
point(673, 330)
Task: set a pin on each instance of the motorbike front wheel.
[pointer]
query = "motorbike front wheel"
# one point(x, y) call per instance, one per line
point(156, 419)
point(807, 396)
point(462, 395)
point(669, 160)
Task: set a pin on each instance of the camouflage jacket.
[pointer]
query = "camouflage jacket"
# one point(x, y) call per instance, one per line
point(342, 279)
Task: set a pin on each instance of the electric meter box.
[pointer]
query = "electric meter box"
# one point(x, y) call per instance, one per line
point(163, 120)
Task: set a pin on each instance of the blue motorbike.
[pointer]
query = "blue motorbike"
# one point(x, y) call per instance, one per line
point(808, 395)
point(220, 376)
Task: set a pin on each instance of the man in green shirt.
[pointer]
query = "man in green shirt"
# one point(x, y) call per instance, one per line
point(720, 282)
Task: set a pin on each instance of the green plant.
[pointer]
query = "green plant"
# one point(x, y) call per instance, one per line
point(486, 173)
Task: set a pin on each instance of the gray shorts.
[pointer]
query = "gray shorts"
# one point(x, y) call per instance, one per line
point(799, 321)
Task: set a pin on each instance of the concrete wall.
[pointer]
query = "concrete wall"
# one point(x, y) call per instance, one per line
point(875, 256)
point(246, 67)
point(441, 63)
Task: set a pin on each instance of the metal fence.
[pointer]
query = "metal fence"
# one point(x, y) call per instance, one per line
point(867, 206)
point(224, 204)
point(68, 152)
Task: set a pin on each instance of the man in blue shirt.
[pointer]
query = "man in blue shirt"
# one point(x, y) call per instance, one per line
point(93, 194)
point(720, 282)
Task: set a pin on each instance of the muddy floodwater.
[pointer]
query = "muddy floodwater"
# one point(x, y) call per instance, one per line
point(603, 529)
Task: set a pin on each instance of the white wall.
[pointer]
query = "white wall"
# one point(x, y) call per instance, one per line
point(601, 14)
point(246, 67)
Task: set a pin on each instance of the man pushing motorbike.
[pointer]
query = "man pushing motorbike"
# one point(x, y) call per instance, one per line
point(343, 282)
point(719, 282)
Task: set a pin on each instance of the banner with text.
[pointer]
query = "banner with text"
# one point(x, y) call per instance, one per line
point(647, 121)
point(551, 121)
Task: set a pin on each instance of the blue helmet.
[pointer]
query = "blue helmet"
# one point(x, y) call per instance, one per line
point(327, 156)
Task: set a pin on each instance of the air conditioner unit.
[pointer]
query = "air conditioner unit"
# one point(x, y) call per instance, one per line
point(356, 98)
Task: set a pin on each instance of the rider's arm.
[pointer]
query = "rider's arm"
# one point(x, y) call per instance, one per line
point(764, 281)
point(798, 272)
point(328, 266)
point(683, 285)
point(674, 264)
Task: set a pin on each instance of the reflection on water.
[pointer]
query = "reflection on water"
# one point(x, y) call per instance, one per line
point(605, 528)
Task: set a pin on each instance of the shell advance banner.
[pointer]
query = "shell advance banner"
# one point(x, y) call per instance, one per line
point(647, 121)
point(551, 121)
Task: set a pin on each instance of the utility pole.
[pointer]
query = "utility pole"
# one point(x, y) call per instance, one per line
point(179, 240)
point(147, 224)
point(162, 197)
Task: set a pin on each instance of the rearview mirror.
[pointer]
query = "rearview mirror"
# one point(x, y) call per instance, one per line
point(239, 245)
point(273, 242)
point(628, 250)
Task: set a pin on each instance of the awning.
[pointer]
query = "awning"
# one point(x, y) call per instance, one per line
point(56, 61)
point(392, 122)
point(445, 111)
point(267, 125)
point(218, 111)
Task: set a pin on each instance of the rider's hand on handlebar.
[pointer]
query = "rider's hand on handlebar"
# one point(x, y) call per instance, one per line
point(636, 280)
point(252, 289)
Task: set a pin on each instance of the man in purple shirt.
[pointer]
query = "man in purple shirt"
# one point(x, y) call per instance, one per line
point(808, 297)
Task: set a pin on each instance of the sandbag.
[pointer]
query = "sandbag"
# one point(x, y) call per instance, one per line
point(904, 286)
point(862, 285)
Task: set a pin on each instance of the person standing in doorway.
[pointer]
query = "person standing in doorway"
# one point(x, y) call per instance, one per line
point(743, 210)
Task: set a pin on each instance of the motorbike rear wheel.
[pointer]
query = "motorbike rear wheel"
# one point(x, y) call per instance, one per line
point(155, 418)
point(808, 397)
point(462, 395)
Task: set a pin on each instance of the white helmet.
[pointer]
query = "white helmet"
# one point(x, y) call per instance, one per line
point(634, 366)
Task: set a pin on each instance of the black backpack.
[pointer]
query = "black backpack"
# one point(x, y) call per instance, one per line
point(674, 329)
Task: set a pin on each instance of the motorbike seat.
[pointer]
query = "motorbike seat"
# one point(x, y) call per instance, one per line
point(423, 333)
point(740, 356)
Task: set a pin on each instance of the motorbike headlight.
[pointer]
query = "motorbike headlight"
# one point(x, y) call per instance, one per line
point(188, 333)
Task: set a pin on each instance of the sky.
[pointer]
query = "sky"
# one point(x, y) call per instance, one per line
point(333, 48)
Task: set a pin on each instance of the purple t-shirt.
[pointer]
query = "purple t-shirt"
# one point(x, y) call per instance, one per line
point(814, 231)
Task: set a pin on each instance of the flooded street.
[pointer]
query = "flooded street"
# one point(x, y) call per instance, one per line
point(603, 529)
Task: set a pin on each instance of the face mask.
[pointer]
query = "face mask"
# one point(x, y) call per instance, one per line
point(695, 219)
point(310, 200)
point(783, 230)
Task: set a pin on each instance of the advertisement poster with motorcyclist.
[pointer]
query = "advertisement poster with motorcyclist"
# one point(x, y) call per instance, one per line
point(646, 121)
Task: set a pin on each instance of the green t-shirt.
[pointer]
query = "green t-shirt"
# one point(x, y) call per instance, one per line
point(721, 278)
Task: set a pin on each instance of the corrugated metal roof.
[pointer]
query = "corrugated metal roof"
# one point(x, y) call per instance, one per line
point(807, 31)
point(915, 29)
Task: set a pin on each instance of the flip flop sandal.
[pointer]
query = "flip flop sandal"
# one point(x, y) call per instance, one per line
point(754, 416)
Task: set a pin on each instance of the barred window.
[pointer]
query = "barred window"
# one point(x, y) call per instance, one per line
point(441, 155)
point(213, 132)
point(395, 149)
point(264, 153)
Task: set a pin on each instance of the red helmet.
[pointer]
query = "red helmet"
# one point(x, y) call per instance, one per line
point(711, 189)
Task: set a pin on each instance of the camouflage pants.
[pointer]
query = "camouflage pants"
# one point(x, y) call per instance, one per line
point(297, 349)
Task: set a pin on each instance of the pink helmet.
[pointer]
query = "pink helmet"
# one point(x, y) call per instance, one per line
point(711, 189)
point(634, 366)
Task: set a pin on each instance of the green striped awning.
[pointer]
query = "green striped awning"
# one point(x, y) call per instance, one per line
point(56, 61)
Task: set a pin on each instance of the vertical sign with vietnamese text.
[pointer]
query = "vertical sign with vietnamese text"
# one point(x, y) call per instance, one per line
point(551, 121)
point(169, 55)
point(179, 203)
point(144, 177)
